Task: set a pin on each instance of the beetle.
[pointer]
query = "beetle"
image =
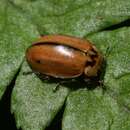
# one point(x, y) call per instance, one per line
point(64, 57)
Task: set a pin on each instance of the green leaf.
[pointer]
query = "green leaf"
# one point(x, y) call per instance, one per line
point(93, 110)
point(110, 108)
point(34, 102)
point(74, 17)
point(16, 33)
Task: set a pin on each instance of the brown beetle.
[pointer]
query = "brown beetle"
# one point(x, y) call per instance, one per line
point(64, 57)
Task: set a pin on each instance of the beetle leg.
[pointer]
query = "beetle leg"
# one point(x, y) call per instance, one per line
point(28, 73)
point(101, 83)
point(56, 87)
point(61, 83)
